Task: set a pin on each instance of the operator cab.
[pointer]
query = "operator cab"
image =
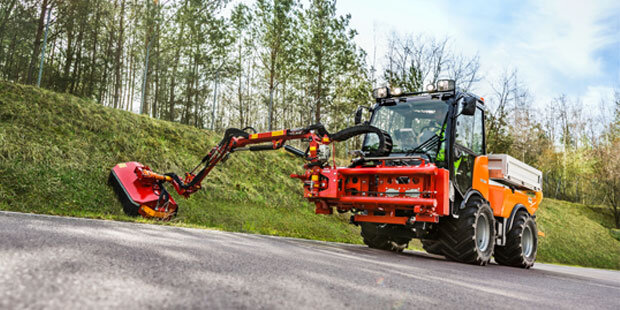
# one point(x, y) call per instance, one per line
point(442, 125)
point(415, 124)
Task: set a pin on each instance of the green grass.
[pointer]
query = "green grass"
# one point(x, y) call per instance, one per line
point(576, 234)
point(56, 151)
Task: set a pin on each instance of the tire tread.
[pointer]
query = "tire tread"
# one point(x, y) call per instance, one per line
point(456, 237)
point(511, 254)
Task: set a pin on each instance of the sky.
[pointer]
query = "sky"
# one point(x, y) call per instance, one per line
point(558, 47)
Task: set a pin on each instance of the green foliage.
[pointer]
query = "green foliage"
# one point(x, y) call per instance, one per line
point(275, 33)
point(16, 23)
point(191, 62)
point(330, 61)
point(606, 165)
point(498, 137)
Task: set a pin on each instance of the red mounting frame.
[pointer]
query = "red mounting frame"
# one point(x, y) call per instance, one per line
point(381, 191)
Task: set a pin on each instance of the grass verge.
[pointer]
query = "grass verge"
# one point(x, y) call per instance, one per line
point(576, 234)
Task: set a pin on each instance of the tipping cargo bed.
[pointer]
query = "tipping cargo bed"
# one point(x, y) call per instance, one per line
point(514, 173)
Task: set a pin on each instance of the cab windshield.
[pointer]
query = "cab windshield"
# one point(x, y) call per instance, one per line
point(410, 124)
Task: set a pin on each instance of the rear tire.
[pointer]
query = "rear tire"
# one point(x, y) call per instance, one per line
point(521, 243)
point(373, 238)
point(471, 237)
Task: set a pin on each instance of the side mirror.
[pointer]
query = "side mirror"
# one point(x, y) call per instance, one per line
point(358, 115)
point(469, 106)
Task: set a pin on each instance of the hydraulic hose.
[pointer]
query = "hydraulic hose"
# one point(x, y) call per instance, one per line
point(385, 140)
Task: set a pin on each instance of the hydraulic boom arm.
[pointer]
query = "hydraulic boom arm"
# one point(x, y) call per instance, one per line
point(236, 140)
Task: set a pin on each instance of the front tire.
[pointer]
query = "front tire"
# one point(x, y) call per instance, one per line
point(374, 238)
point(432, 247)
point(471, 237)
point(521, 243)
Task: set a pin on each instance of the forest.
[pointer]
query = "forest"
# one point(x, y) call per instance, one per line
point(275, 64)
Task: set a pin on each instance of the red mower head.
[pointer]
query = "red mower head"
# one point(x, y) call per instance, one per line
point(141, 196)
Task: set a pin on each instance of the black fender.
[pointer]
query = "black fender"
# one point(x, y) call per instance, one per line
point(518, 207)
point(471, 193)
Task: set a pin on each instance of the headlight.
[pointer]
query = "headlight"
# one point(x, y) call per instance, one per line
point(430, 87)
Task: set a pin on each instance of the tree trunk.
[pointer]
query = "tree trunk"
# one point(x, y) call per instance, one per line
point(239, 87)
point(68, 60)
point(171, 100)
point(248, 118)
point(155, 105)
point(188, 95)
point(195, 74)
point(128, 77)
point(148, 46)
point(133, 82)
point(93, 53)
point(53, 83)
point(36, 46)
point(319, 86)
point(272, 72)
point(283, 121)
point(118, 62)
point(77, 71)
point(9, 58)
point(104, 81)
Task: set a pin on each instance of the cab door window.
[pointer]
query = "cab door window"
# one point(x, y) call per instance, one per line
point(469, 142)
point(477, 142)
point(465, 130)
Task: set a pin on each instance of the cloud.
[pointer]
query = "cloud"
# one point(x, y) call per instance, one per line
point(563, 40)
point(597, 95)
point(570, 47)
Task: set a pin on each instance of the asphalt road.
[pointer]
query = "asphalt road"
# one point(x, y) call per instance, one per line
point(67, 263)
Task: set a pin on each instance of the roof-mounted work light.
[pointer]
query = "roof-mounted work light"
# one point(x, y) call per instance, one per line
point(445, 85)
point(396, 91)
point(381, 92)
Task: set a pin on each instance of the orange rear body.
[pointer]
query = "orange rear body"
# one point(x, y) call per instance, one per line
point(502, 198)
